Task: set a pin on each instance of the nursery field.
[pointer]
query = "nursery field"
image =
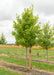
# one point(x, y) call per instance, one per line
point(7, 72)
point(39, 54)
point(17, 56)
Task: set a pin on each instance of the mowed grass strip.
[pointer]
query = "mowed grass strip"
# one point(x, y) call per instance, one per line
point(37, 65)
point(7, 72)
point(23, 51)
point(33, 57)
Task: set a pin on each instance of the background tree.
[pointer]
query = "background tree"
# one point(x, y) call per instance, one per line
point(26, 30)
point(3, 39)
point(45, 39)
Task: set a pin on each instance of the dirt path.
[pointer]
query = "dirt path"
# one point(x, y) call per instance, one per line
point(22, 69)
point(23, 58)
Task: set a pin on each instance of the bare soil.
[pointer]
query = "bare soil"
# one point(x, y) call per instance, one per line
point(22, 69)
point(23, 58)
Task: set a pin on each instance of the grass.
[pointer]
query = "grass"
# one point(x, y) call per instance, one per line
point(35, 57)
point(34, 52)
point(37, 65)
point(23, 51)
point(7, 72)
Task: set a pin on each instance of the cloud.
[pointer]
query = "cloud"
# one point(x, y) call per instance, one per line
point(45, 6)
point(9, 8)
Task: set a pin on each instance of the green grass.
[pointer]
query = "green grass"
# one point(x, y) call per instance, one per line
point(36, 57)
point(23, 51)
point(37, 65)
point(7, 72)
point(15, 50)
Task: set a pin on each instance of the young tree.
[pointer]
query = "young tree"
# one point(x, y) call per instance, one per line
point(2, 39)
point(45, 39)
point(26, 30)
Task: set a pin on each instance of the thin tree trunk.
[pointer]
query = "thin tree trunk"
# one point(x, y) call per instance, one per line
point(26, 58)
point(47, 55)
point(30, 60)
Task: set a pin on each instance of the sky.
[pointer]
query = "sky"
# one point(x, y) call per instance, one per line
point(9, 8)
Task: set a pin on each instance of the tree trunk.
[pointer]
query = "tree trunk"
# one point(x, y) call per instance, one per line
point(47, 55)
point(30, 60)
point(26, 58)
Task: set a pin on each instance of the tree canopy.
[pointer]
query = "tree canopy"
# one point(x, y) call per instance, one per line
point(46, 37)
point(25, 29)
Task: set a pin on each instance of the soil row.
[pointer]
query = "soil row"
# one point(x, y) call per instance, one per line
point(25, 54)
point(23, 58)
point(22, 69)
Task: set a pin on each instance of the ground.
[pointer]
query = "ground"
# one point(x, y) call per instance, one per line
point(17, 56)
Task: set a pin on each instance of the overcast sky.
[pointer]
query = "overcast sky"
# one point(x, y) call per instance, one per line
point(9, 8)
